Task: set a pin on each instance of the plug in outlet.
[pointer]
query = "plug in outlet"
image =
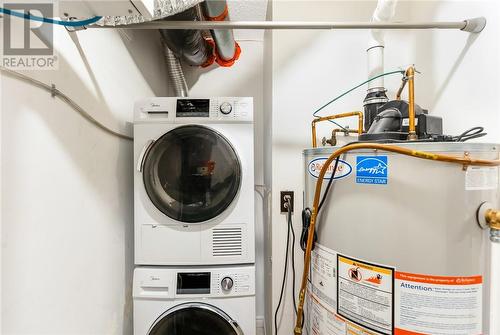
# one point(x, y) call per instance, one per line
point(283, 197)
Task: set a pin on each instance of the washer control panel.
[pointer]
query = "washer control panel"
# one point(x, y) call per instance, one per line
point(182, 110)
point(233, 281)
point(190, 282)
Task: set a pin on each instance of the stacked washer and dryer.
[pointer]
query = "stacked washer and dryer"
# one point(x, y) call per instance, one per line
point(194, 217)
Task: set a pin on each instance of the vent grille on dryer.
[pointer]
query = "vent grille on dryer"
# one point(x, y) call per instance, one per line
point(227, 242)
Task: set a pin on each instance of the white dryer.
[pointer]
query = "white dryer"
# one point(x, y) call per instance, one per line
point(194, 181)
point(194, 301)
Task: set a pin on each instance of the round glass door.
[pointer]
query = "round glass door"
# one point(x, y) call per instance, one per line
point(195, 319)
point(192, 174)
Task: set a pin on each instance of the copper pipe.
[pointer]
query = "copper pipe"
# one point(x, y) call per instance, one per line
point(464, 161)
point(410, 75)
point(333, 139)
point(336, 116)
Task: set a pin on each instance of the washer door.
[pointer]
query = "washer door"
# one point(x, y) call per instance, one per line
point(195, 319)
point(192, 174)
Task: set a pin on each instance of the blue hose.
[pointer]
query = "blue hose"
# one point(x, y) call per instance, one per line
point(49, 20)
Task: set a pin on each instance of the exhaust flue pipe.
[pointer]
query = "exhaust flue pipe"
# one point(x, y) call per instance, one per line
point(376, 96)
point(188, 45)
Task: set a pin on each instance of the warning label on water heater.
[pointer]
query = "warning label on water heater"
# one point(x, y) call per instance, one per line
point(438, 305)
point(365, 294)
point(351, 296)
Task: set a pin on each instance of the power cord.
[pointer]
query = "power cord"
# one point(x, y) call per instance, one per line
point(290, 224)
point(469, 134)
point(306, 222)
point(290, 231)
point(306, 213)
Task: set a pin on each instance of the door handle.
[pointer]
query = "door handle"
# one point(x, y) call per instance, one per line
point(144, 153)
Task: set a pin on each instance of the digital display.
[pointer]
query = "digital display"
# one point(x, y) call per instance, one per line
point(193, 283)
point(193, 108)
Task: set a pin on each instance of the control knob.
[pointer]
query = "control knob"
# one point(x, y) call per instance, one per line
point(226, 284)
point(225, 108)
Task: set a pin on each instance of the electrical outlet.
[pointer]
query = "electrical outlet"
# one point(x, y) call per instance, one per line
point(283, 196)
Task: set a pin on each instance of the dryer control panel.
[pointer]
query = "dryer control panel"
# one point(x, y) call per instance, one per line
point(192, 282)
point(189, 110)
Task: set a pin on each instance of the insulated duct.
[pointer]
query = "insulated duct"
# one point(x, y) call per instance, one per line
point(162, 9)
point(187, 44)
point(376, 96)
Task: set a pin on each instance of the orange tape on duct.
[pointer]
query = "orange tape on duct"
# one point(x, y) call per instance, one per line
point(220, 17)
point(211, 59)
point(229, 62)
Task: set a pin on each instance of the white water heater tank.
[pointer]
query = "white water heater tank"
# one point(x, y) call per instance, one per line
point(399, 248)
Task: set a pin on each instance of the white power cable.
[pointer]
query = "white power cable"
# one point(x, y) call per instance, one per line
point(56, 93)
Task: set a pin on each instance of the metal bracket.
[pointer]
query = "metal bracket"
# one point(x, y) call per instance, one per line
point(53, 90)
point(475, 25)
point(74, 29)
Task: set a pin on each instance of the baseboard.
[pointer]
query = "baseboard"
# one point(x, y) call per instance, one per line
point(260, 324)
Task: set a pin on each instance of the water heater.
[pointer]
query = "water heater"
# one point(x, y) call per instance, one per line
point(399, 248)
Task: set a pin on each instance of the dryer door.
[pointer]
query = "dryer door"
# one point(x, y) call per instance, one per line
point(192, 174)
point(195, 319)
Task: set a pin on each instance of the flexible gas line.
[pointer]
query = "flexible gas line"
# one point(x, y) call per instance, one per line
point(56, 93)
point(464, 161)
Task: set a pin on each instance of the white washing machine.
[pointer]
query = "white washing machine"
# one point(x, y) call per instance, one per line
point(194, 301)
point(194, 181)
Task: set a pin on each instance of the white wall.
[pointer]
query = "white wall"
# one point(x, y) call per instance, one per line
point(67, 245)
point(459, 81)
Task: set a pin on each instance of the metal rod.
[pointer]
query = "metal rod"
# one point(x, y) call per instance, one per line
point(470, 25)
